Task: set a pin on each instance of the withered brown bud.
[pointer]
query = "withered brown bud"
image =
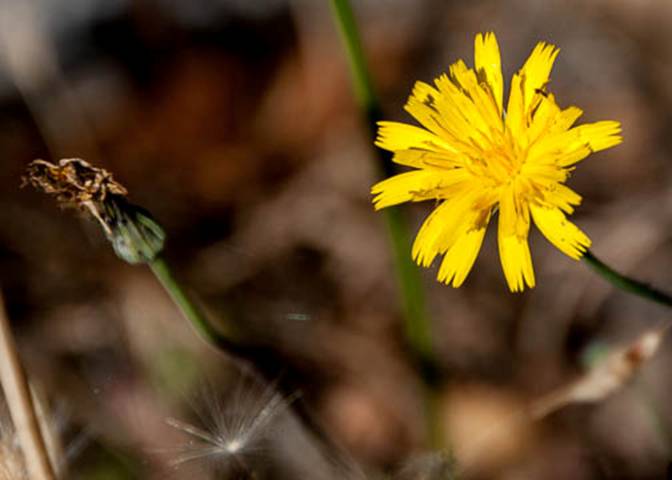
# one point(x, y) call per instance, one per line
point(135, 236)
point(73, 181)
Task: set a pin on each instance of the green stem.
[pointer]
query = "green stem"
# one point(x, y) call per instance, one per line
point(361, 79)
point(416, 322)
point(626, 283)
point(189, 310)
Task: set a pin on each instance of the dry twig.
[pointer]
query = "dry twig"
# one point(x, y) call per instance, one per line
point(20, 402)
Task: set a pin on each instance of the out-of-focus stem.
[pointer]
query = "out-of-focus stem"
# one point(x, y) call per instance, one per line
point(361, 79)
point(416, 322)
point(625, 283)
point(21, 406)
point(410, 285)
point(220, 338)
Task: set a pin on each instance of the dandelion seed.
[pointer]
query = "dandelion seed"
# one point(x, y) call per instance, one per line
point(231, 431)
point(474, 157)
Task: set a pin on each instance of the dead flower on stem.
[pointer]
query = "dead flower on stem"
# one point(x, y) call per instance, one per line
point(135, 236)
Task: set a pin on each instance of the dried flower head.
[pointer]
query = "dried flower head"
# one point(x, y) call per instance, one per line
point(73, 182)
point(135, 236)
point(476, 155)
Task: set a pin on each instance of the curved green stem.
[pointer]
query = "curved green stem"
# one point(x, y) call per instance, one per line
point(218, 337)
point(626, 283)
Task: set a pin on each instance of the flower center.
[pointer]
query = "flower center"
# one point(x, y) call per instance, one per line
point(499, 165)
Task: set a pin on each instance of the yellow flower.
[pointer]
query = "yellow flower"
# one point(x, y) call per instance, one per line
point(473, 157)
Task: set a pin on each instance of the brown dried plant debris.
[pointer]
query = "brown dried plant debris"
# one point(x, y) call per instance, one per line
point(609, 375)
point(74, 182)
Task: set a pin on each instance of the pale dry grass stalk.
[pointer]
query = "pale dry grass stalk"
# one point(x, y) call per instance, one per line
point(51, 426)
point(12, 466)
point(20, 403)
point(606, 377)
point(610, 374)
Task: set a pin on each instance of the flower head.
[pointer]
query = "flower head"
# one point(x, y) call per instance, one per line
point(474, 157)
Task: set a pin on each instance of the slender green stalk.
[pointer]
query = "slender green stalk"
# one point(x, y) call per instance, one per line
point(361, 79)
point(220, 338)
point(626, 283)
point(416, 323)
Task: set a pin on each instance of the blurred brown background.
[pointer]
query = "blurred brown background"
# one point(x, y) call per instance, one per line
point(234, 123)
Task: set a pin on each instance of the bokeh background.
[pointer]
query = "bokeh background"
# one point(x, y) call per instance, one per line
point(234, 123)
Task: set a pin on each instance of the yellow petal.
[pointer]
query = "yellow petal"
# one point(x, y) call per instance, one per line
point(514, 215)
point(405, 187)
point(428, 159)
point(436, 234)
point(460, 258)
point(423, 104)
point(488, 65)
point(445, 224)
point(515, 113)
point(536, 71)
point(449, 112)
point(566, 119)
point(416, 186)
point(600, 135)
point(564, 198)
point(544, 116)
point(395, 136)
point(514, 251)
point(566, 236)
point(479, 107)
point(575, 144)
point(570, 157)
